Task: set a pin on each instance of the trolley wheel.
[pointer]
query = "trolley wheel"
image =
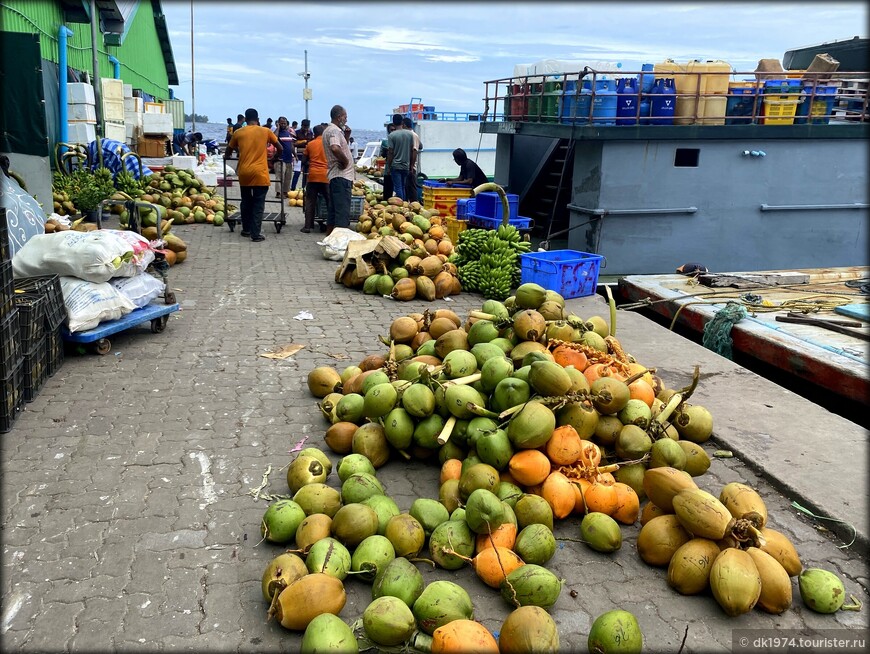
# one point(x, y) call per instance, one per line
point(169, 297)
point(103, 346)
point(278, 227)
point(159, 324)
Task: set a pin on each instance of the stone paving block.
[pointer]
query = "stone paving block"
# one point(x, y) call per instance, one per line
point(56, 629)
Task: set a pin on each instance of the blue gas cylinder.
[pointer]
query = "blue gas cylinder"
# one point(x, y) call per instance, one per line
point(646, 84)
point(663, 102)
point(626, 101)
point(603, 100)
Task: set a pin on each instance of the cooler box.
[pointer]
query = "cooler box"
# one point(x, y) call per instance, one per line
point(80, 93)
point(115, 131)
point(568, 272)
point(81, 113)
point(157, 123)
point(81, 132)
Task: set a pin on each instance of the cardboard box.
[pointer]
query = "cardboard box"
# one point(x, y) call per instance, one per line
point(149, 146)
point(81, 132)
point(79, 93)
point(113, 110)
point(115, 131)
point(156, 123)
point(82, 113)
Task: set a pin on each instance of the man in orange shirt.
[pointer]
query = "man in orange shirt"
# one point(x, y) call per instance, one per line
point(318, 183)
point(253, 171)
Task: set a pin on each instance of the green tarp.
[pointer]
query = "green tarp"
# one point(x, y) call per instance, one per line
point(22, 107)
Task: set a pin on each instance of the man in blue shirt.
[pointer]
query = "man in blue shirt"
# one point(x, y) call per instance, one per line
point(288, 154)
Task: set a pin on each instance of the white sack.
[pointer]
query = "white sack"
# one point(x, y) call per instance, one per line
point(143, 253)
point(90, 303)
point(139, 289)
point(93, 256)
point(333, 246)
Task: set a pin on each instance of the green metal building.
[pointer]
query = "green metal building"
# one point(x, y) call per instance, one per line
point(132, 32)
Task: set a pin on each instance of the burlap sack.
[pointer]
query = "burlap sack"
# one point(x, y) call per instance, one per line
point(769, 69)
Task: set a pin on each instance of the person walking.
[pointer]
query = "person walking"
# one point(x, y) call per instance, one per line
point(340, 171)
point(253, 171)
point(411, 191)
point(288, 154)
point(318, 178)
point(400, 156)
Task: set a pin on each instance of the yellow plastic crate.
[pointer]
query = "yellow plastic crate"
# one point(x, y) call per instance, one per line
point(779, 110)
point(454, 228)
point(444, 207)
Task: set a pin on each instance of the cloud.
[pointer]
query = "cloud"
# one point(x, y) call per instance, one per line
point(452, 59)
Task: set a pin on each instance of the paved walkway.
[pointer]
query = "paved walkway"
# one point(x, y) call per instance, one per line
point(127, 523)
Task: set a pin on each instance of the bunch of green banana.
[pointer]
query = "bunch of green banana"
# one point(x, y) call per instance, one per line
point(469, 276)
point(469, 245)
point(488, 261)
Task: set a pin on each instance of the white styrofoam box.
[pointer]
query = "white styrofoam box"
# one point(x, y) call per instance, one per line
point(113, 110)
point(81, 113)
point(207, 177)
point(79, 93)
point(134, 104)
point(154, 108)
point(81, 132)
point(115, 131)
point(157, 123)
point(132, 118)
point(187, 163)
point(112, 89)
point(128, 90)
point(133, 132)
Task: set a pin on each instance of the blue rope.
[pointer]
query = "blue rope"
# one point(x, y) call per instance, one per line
point(717, 332)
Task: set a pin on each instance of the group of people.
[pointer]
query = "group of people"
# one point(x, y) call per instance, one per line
point(325, 163)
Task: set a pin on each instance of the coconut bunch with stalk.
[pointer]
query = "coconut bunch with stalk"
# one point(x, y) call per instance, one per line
point(726, 545)
point(406, 277)
point(422, 229)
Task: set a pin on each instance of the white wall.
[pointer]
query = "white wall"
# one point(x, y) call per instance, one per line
point(441, 138)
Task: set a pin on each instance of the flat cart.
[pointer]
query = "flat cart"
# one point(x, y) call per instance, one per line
point(230, 180)
point(97, 338)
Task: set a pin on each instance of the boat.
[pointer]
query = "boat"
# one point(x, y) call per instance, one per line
point(442, 132)
point(765, 189)
point(371, 151)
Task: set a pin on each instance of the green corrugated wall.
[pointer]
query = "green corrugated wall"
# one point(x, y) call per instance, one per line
point(141, 58)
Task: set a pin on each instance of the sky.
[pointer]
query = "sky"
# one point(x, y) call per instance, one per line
point(373, 56)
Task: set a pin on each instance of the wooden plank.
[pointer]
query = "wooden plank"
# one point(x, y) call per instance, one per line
point(754, 280)
point(859, 311)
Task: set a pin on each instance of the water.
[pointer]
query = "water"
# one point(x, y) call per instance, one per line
point(218, 131)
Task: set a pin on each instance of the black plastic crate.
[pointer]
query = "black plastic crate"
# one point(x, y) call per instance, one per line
point(49, 287)
point(10, 345)
point(6, 307)
point(55, 351)
point(6, 286)
point(31, 318)
point(11, 398)
point(4, 242)
point(35, 370)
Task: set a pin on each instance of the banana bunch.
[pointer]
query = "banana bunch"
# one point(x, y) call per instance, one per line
point(488, 261)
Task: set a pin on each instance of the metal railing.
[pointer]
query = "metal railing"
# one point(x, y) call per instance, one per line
point(587, 98)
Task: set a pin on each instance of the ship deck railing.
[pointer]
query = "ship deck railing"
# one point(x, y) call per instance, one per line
point(850, 104)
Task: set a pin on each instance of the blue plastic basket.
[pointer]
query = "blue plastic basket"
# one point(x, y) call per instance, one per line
point(484, 222)
point(568, 272)
point(489, 205)
point(464, 206)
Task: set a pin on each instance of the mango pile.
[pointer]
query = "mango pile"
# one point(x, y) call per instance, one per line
point(296, 198)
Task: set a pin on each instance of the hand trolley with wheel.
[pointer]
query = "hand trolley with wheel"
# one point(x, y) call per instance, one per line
point(279, 218)
point(97, 338)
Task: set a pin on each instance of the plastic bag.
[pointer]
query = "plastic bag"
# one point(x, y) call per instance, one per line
point(93, 256)
point(90, 303)
point(334, 246)
point(140, 290)
point(143, 252)
point(25, 219)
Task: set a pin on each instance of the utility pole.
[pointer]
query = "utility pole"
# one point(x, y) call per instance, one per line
point(98, 84)
point(306, 92)
point(192, 76)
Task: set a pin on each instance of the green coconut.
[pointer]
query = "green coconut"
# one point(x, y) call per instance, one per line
point(429, 513)
point(281, 520)
point(318, 498)
point(483, 511)
point(531, 585)
point(615, 632)
point(535, 544)
point(388, 621)
point(329, 557)
point(449, 539)
point(406, 534)
point(399, 578)
point(359, 487)
point(371, 556)
point(353, 523)
point(442, 602)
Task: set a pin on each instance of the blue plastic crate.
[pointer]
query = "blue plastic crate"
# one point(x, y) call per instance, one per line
point(433, 183)
point(568, 272)
point(464, 206)
point(488, 205)
point(484, 222)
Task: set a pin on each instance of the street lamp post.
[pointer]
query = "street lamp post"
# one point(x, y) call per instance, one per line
point(306, 92)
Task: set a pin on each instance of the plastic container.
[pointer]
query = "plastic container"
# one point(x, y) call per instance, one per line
point(464, 206)
point(10, 345)
point(485, 222)
point(11, 398)
point(31, 319)
point(454, 227)
point(34, 370)
point(822, 101)
point(741, 107)
point(55, 351)
point(489, 205)
point(568, 272)
point(627, 101)
point(356, 206)
point(49, 287)
point(686, 88)
point(6, 287)
point(663, 102)
point(779, 101)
